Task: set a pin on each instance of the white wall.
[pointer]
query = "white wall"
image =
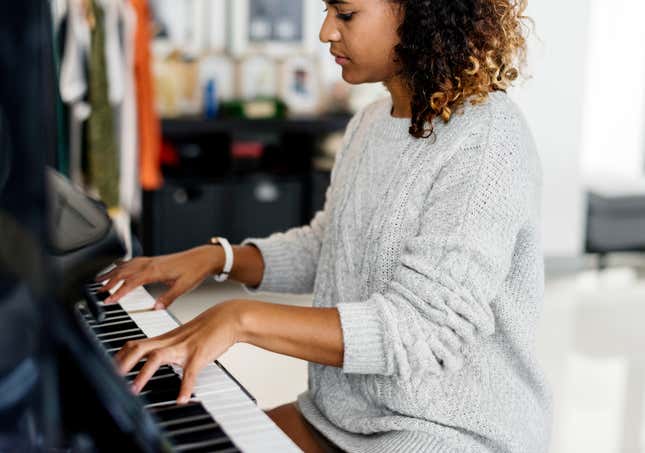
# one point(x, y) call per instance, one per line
point(614, 118)
point(553, 103)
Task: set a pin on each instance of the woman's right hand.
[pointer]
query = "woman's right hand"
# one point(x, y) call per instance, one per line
point(181, 272)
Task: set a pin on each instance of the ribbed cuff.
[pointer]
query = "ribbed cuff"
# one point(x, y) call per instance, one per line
point(363, 338)
point(277, 266)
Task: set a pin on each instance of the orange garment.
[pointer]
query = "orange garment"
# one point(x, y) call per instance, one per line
point(149, 125)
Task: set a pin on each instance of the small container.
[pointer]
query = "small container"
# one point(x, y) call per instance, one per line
point(211, 106)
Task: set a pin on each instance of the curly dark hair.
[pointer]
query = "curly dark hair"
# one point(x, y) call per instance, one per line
point(452, 50)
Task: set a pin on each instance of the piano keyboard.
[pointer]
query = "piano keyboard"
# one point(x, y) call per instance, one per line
point(221, 416)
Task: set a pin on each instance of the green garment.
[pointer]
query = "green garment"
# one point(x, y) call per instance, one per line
point(102, 157)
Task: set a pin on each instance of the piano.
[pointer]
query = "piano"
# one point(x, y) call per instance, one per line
point(222, 416)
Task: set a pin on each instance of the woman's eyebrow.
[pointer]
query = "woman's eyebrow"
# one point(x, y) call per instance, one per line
point(336, 2)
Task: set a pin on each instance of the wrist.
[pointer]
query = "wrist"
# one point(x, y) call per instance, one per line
point(244, 320)
point(213, 258)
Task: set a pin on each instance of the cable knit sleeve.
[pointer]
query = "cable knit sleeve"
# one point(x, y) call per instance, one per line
point(291, 258)
point(438, 301)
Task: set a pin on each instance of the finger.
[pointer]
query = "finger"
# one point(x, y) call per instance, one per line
point(132, 353)
point(127, 286)
point(168, 297)
point(188, 381)
point(154, 361)
point(121, 267)
point(109, 285)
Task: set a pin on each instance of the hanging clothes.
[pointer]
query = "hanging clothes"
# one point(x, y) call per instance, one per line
point(149, 125)
point(73, 83)
point(102, 158)
point(130, 190)
point(59, 17)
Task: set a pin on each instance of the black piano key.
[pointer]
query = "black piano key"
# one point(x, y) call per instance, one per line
point(94, 288)
point(187, 422)
point(164, 372)
point(102, 295)
point(212, 433)
point(113, 327)
point(162, 383)
point(109, 318)
point(118, 333)
point(164, 369)
point(112, 307)
point(160, 396)
point(115, 313)
point(178, 411)
point(190, 422)
point(207, 447)
point(106, 316)
point(111, 344)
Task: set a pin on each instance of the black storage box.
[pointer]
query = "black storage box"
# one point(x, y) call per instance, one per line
point(265, 204)
point(186, 215)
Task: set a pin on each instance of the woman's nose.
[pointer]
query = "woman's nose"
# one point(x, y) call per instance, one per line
point(328, 31)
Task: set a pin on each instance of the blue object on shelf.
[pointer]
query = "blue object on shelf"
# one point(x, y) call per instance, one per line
point(211, 106)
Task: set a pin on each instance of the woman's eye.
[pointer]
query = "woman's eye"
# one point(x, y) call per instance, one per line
point(345, 17)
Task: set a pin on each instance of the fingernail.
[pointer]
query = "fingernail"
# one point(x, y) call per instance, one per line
point(134, 389)
point(159, 306)
point(182, 399)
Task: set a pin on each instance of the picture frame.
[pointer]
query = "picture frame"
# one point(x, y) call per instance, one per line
point(277, 28)
point(177, 23)
point(258, 77)
point(300, 86)
point(194, 26)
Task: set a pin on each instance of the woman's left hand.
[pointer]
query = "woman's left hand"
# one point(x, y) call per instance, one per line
point(191, 346)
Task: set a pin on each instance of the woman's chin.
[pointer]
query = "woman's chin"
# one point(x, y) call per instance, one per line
point(351, 77)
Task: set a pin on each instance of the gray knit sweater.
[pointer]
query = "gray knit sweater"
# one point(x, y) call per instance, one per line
point(430, 249)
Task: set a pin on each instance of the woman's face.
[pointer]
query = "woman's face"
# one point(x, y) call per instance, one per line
point(363, 33)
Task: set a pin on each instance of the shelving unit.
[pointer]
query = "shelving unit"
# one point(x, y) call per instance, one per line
point(211, 192)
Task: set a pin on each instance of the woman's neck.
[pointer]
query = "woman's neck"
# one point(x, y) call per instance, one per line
point(401, 98)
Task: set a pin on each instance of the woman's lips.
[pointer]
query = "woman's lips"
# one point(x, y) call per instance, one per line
point(342, 60)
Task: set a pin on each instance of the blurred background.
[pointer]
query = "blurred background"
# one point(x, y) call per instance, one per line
point(228, 118)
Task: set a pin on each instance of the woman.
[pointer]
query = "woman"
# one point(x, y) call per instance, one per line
point(425, 263)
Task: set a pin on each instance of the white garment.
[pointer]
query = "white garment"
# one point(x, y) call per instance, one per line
point(129, 187)
point(73, 83)
point(114, 54)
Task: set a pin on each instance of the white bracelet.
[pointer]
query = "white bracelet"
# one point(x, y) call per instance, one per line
point(228, 261)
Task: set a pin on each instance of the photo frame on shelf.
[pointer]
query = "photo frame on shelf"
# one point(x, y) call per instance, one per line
point(180, 25)
point(258, 77)
point(193, 26)
point(278, 28)
point(300, 85)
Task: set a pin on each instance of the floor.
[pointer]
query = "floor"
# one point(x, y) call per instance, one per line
point(589, 342)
